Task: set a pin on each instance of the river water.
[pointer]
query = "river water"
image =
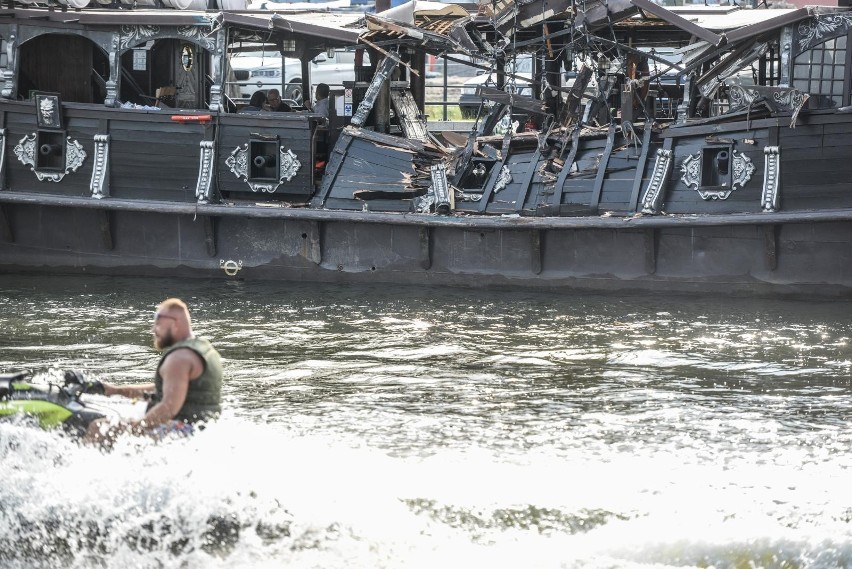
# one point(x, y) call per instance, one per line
point(382, 427)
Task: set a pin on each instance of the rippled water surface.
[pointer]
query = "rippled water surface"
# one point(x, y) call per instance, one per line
point(440, 428)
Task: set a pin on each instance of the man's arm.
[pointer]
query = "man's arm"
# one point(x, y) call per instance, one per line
point(135, 391)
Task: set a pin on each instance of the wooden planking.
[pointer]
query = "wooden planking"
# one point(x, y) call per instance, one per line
point(386, 158)
point(817, 159)
point(366, 167)
point(151, 156)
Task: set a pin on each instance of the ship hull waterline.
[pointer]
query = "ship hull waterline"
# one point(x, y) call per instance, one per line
point(771, 253)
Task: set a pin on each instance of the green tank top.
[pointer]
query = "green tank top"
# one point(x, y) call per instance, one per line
point(203, 398)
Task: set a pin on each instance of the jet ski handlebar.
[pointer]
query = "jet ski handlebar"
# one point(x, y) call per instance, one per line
point(76, 379)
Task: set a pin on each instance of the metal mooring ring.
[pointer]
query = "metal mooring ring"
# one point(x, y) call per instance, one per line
point(230, 267)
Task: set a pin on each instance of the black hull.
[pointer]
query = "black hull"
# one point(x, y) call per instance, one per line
point(766, 254)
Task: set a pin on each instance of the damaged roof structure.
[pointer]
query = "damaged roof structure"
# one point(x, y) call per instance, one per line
point(635, 71)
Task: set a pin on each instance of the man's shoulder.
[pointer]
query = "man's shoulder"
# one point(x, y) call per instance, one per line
point(183, 352)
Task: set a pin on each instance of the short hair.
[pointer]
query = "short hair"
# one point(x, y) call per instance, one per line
point(175, 305)
point(322, 91)
point(276, 91)
point(257, 99)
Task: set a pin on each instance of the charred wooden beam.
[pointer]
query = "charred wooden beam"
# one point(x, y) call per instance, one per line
point(526, 181)
point(595, 201)
point(556, 202)
point(640, 168)
point(460, 35)
point(530, 14)
point(335, 161)
point(383, 71)
point(739, 58)
point(496, 172)
point(600, 14)
point(418, 80)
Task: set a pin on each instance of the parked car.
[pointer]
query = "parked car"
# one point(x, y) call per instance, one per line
point(262, 70)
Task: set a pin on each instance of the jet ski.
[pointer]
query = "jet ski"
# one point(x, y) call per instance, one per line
point(50, 405)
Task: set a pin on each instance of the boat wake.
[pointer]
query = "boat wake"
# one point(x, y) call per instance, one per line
point(246, 495)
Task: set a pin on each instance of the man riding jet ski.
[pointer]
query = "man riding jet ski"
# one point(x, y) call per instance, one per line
point(185, 392)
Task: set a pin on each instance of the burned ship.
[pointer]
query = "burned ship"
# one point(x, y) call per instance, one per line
point(692, 149)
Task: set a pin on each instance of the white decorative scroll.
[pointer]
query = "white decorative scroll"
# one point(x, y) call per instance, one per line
point(771, 178)
point(100, 167)
point(25, 150)
point(654, 191)
point(288, 166)
point(205, 171)
point(503, 179)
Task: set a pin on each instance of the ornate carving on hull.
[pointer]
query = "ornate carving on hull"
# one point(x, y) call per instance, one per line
point(25, 150)
point(654, 192)
point(100, 167)
point(741, 170)
point(205, 171)
point(440, 188)
point(288, 166)
point(771, 178)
